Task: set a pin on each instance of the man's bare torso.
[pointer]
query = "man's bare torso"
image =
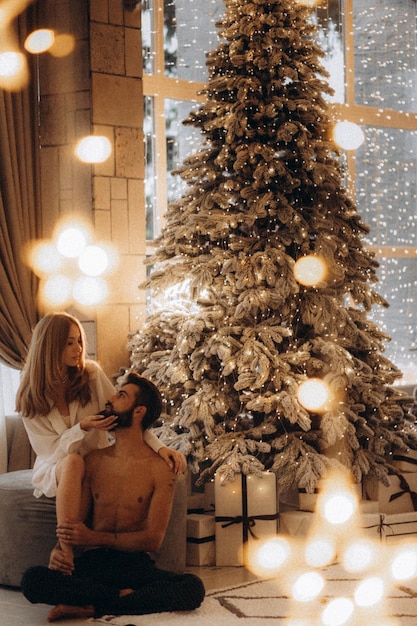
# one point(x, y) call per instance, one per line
point(122, 488)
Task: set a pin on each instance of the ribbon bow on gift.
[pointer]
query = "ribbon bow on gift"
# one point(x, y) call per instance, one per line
point(248, 522)
point(382, 526)
point(405, 488)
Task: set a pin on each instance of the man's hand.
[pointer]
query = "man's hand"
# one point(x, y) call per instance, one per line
point(174, 459)
point(61, 561)
point(75, 533)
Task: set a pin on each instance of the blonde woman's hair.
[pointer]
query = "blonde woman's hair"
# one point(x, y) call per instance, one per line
point(42, 371)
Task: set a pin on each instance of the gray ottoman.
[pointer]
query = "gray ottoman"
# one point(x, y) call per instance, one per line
point(27, 527)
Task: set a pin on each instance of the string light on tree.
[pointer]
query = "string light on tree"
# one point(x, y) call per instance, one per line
point(314, 394)
point(310, 270)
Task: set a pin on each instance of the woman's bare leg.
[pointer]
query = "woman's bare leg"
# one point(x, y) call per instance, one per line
point(69, 474)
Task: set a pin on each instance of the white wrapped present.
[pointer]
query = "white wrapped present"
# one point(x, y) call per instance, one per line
point(200, 539)
point(246, 510)
point(399, 497)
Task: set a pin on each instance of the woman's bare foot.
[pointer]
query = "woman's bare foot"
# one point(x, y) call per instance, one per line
point(65, 611)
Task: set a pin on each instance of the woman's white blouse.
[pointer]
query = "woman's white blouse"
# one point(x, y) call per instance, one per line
point(52, 438)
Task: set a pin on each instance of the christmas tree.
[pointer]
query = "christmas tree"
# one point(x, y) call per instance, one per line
point(245, 330)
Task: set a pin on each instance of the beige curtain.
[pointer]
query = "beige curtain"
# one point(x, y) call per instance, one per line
point(19, 210)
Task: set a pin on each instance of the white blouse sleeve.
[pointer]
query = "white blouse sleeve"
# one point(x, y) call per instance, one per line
point(53, 442)
point(49, 435)
point(152, 440)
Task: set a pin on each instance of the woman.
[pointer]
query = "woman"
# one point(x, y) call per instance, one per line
point(59, 398)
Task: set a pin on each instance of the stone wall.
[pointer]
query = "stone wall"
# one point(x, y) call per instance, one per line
point(97, 89)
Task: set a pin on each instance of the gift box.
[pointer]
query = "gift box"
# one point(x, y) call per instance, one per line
point(399, 497)
point(200, 539)
point(195, 503)
point(295, 523)
point(209, 497)
point(308, 501)
point(390, 528)
point(246, 511)
point(201, 501)
point(405, 461)
point(298, 523)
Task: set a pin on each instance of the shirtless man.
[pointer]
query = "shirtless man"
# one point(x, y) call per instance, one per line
point(127, 494)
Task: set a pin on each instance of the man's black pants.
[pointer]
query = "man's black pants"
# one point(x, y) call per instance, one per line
point(100, 574)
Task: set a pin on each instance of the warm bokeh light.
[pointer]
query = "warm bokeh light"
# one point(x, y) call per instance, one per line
point(93, 149)
point(44, 258)
point(63, 45)
point(55, 291)
point(404, 564)
point(71, 265)
point(307, 587)
point(310, 270)
point(10, 63)
point(90, 291)
point(338, 507)
point(348, 136)
point(93, 261)
point(313, 394)
point(13, 70)
point(40, 40)
point(359, 556)
point(337, 612)
point(270, 556)
point(71, 241)
point(369, 592)
point(319, 552)
point(10, 9)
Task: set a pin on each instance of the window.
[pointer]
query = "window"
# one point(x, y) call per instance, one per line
point(370, 54)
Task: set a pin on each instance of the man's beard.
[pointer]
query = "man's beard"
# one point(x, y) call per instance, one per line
point(124, 419)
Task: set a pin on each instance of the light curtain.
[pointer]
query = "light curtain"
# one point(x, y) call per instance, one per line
point(9, 382)
point(19, 208)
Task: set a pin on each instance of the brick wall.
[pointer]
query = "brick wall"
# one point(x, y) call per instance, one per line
point(97, 89)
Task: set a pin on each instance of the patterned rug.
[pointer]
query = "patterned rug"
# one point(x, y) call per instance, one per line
point(264, 603)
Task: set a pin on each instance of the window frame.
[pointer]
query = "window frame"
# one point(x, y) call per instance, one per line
point(161, 87)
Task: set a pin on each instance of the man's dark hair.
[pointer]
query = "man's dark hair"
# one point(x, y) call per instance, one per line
point(147, 395)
